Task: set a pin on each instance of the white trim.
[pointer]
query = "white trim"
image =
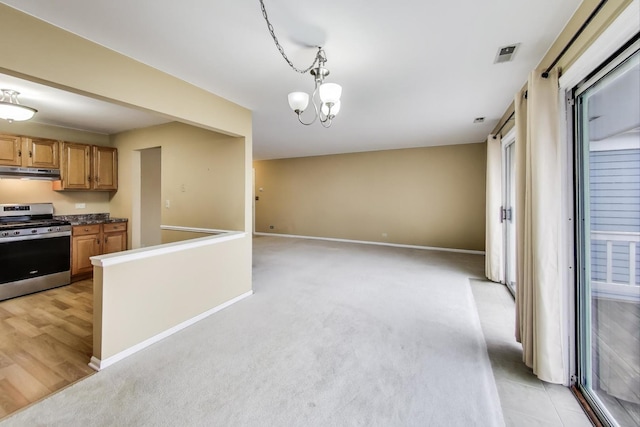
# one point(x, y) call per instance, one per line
point(365, 242)
point(615, 291)
point(625, 141)
point(167, 248)
point(616, 35)
point(99, 364)
point(194, 229)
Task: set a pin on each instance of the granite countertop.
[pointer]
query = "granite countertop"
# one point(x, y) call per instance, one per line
point(99, 218)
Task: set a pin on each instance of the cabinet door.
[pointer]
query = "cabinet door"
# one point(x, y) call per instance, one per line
point(10, 150)
point(115, 242)
point(41, 153)
point(105, 168)
point(83, 248)
point(76, 166)
point(115, 237)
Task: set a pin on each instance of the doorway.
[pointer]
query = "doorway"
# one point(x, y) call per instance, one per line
point(509, 210)
point(150, 196)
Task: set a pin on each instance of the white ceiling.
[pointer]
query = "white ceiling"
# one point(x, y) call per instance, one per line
point(414, 73)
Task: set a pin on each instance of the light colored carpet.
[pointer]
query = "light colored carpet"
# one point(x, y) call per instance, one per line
point(336, 334)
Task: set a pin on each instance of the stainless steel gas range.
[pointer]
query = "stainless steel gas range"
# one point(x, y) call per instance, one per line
point(35, 249)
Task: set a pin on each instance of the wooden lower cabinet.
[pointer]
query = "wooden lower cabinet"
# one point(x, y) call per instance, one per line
point(94, 239)
point(115, 237)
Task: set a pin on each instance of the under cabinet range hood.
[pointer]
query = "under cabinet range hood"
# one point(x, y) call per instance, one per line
point(17, 172)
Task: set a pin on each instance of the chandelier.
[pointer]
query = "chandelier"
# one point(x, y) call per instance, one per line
point(10, 108)
point(325, 96)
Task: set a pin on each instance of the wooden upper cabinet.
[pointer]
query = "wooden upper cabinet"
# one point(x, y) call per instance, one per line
point(29, 152)
point(76, 167)
point(10, 150)
point(105, 168)
point(87, 167)
point(40, 153)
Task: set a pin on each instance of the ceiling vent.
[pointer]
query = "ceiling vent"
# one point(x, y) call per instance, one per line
point(478, 120)
point(506, 53)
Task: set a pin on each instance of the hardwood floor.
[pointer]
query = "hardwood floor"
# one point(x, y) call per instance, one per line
point(46, 343)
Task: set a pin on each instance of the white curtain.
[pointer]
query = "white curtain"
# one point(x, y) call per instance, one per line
point(494, 265)
point(538, 289)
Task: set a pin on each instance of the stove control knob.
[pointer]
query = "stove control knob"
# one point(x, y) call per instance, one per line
point(34, 231)
point(16, 233)
point(57, 228)
point(5, 233)
point(49, 230)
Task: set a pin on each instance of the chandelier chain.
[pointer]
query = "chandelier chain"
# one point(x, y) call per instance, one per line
point(280, 48)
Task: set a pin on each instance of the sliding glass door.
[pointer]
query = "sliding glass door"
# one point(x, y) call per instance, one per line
point(607, 116)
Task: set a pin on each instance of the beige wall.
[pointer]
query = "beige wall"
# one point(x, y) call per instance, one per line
point(422, 196)
point(64, 202)
point(144, 298)
point(202, 176)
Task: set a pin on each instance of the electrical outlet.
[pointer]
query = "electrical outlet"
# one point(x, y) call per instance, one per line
point(81, 206)
point(272, 227)
point(384, 234)
point(167, 203)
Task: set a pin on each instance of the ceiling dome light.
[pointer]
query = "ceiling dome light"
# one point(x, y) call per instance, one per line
point(10, 108)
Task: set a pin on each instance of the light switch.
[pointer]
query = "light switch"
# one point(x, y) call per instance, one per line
point(167, 203)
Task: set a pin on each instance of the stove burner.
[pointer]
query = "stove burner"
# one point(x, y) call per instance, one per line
point(17, 221)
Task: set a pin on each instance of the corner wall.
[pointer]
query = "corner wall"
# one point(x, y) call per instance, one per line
point(432, 196)
point(52, 56)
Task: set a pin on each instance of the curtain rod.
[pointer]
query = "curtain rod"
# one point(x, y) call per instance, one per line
point(586, 23)
point(504, 124)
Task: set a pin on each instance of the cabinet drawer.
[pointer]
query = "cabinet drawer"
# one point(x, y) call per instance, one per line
point(82, 230)
point(114, 226)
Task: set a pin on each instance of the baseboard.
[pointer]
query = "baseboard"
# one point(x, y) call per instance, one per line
point(365, 242)
point(99, 364)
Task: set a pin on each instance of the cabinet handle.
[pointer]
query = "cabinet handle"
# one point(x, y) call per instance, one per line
point(89, 178)
point(30, 154)
point(19, 153)
point(106, 238)
point(98, 241)
point(97, 178)
point(86, 229)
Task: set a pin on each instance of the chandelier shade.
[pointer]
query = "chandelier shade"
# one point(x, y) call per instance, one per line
point(330, 93)
point(11, 110)
point(298, 101)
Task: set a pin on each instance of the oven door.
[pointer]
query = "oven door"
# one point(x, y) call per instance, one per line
point(34, 256)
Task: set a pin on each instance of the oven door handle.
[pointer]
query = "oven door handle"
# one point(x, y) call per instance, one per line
point(35, 236)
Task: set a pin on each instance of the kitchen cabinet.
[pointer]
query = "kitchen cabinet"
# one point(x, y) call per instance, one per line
point(115, 237)
point(85, 243)
point(95, 239)
point(29, 152)
point(87, 167)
